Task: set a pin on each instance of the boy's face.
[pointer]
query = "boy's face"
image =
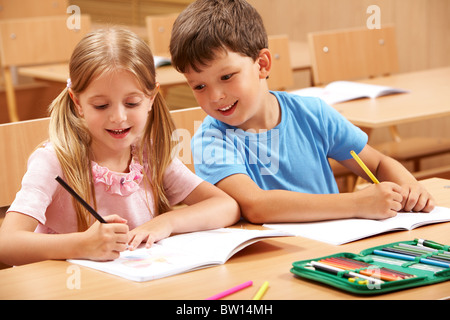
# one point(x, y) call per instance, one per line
point(231, 88)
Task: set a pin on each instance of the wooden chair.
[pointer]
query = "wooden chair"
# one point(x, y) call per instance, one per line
point(281, 75)
point(353, 54)
point(17, 141)
point(187, 122)
point(363, 53)
point(159, 30)
point(32, 41)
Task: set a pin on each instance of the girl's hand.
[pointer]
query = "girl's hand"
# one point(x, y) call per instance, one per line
point(150, 232)
point(379, 201)
point(416, 198)
point(105, 241)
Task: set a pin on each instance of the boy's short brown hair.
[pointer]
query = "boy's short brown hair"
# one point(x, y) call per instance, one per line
point(207, 26)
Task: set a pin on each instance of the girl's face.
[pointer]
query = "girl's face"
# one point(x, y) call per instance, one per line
point(115, 110)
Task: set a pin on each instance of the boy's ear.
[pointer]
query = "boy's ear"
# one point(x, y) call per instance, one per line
point(265, 63)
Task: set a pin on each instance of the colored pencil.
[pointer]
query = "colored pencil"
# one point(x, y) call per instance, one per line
point(230, 291)
point(80, 200)
point(431, 244)
point(335, 270)
point(425, 249)
point(418, 254)
point(261, 291)
point(410, 258)
point(364, 167)
point(385, 273)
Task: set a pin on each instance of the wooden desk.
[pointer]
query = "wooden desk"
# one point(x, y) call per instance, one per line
point(429, 98)
point(266, 260)
point(167, 76)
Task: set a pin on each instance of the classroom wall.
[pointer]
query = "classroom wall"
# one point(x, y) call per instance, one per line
point(423, 26)
point(422, 32)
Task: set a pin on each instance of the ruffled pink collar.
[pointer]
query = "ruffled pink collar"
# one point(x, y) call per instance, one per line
point(122, 184)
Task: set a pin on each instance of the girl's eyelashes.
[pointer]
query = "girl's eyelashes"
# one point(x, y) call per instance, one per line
point(128, 104)
point(100, 107)
point(133, 104)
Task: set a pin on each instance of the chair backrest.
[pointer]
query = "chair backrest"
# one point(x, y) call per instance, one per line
point(32, 41)
point(39, 40)
point(10, 9)
point(353, 54)
point(281, 75)
point(187, 122)
point(159, 30)
point(17, 141)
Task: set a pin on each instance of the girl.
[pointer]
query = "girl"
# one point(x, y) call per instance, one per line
point(110, 139)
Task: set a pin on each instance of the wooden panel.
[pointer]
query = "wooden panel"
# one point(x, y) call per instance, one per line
point(281, 75)
point(31, 8)
point(17, 142)
point(159, 30)
point(353, 54)
point(39, 40)
point(187, 121)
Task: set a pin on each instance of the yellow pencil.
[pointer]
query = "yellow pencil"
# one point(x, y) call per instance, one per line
point(261, 291)
point(364, 167)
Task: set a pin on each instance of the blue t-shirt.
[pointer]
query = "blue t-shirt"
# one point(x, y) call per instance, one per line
point(292, 156)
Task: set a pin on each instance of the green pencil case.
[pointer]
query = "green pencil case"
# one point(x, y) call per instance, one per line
point(408, 273)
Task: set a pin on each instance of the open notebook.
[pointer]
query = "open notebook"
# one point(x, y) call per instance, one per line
point(342, 231)
point(181, 253)
point(340, 91)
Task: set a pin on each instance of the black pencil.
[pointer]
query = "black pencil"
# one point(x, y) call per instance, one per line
point(80, 200)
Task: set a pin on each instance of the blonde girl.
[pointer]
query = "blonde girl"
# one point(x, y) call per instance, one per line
point(110, 140)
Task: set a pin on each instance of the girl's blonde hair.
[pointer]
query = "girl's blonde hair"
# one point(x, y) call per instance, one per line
point(97, 53)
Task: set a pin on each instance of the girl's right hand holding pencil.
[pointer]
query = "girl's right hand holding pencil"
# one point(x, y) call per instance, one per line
point(105, 241)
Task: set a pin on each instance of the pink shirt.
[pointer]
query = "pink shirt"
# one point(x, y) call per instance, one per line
point(124, 194)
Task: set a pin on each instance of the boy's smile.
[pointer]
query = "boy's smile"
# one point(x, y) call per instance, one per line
point(228, 110)
point(232, 88)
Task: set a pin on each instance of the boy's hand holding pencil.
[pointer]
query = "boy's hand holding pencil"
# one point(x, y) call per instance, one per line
point(381, 202)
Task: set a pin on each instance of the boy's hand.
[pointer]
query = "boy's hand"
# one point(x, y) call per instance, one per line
point(105, 241)
point(379, 201)
point(416, 198)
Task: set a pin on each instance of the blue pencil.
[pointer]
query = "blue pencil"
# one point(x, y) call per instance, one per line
point(411, 258)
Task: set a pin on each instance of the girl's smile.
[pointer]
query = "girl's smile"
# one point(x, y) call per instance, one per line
point(119, 133)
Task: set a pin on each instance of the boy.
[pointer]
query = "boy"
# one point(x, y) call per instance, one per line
point(269, 150)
